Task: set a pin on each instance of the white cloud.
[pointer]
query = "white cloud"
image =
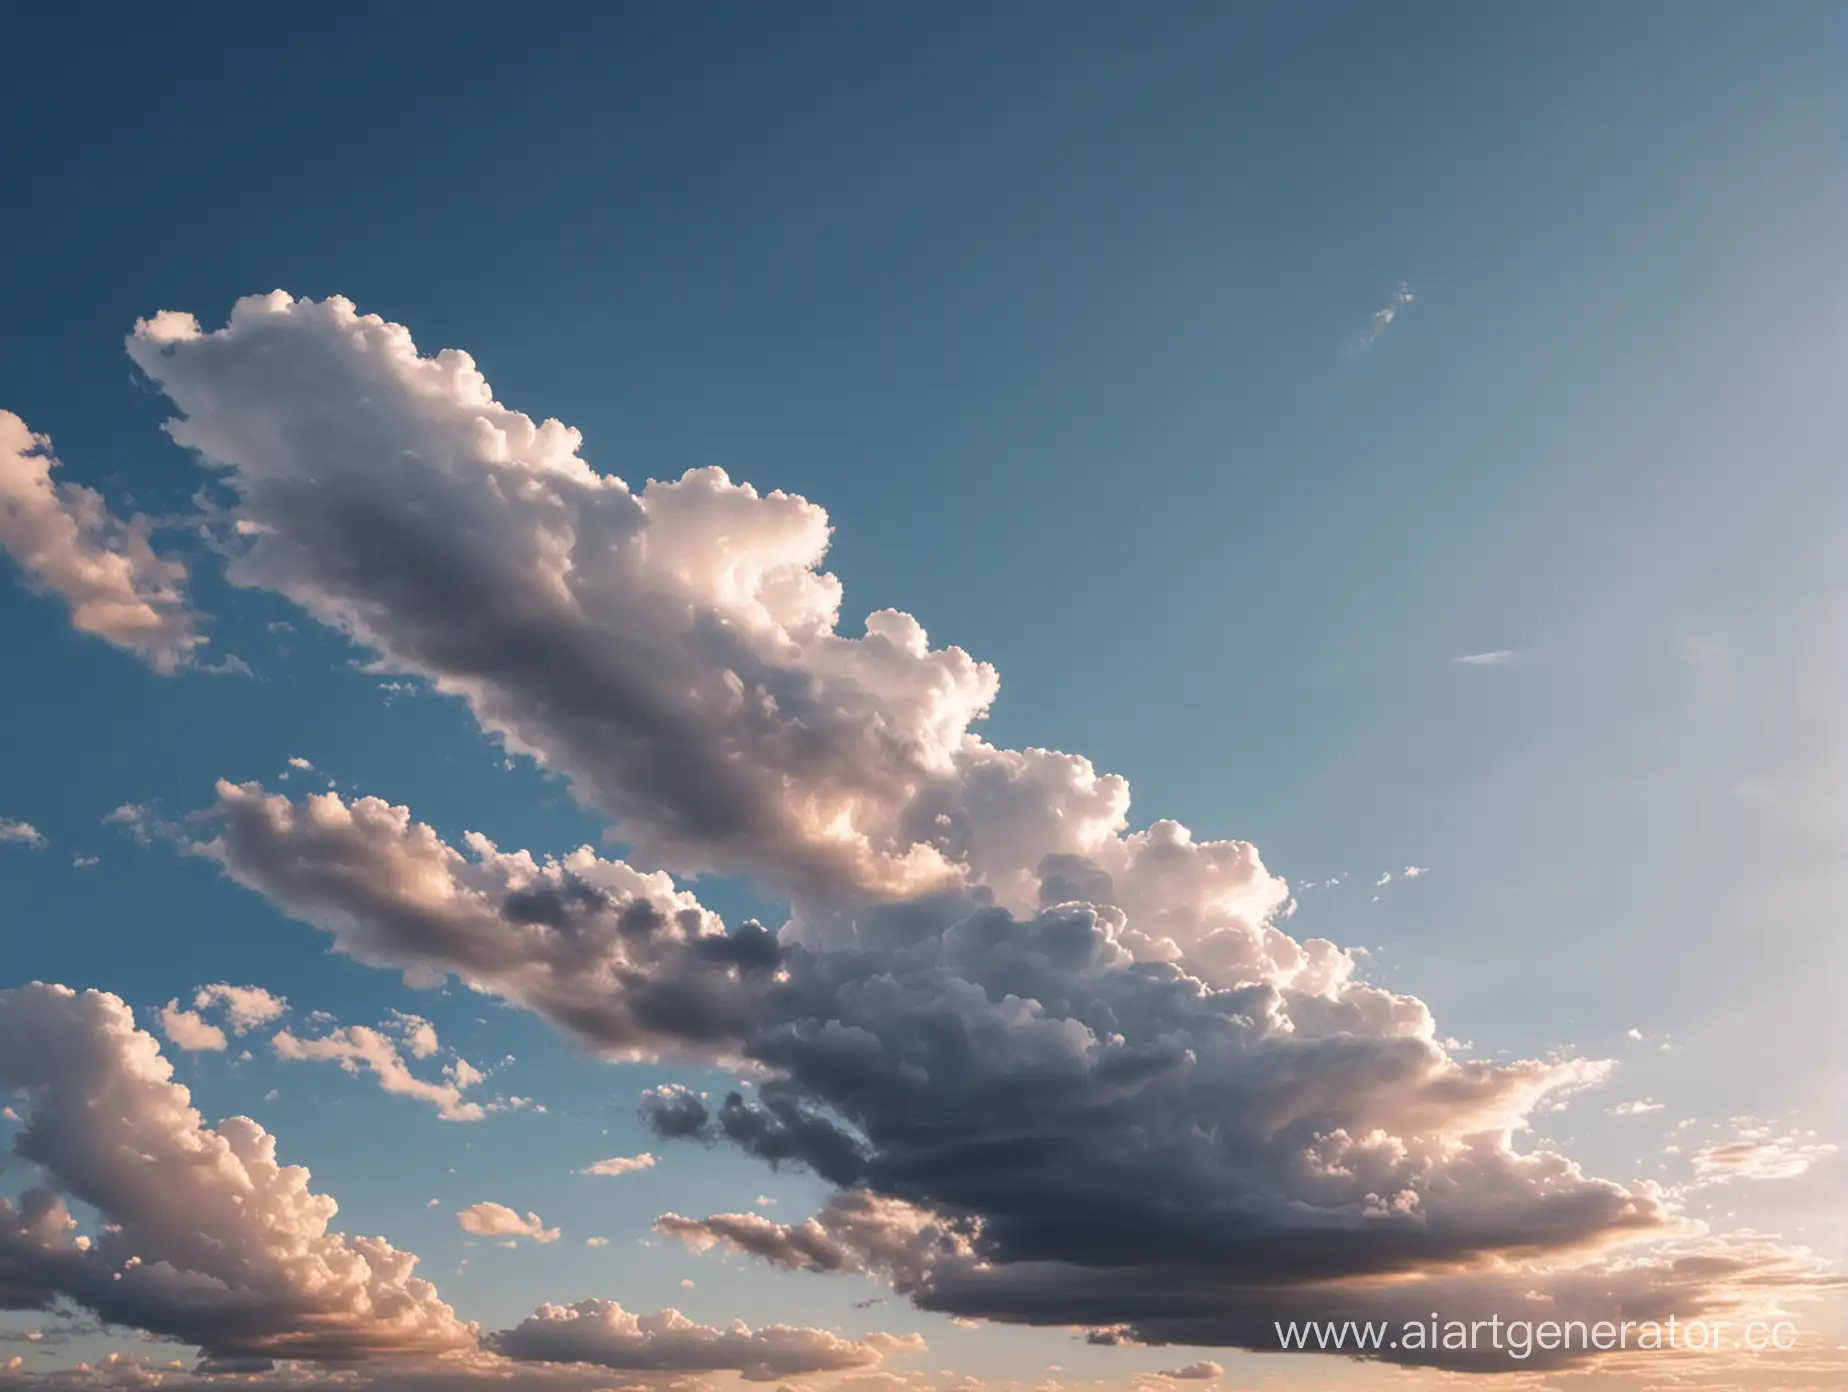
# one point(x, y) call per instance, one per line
point(1385, 878)
point(1382, 320)
point(1412, 872)
point(84, 862)
point(358, 1048)
point(675, 651)
point(1641, 1107)
point(66, 542)
point(1497, 658)
point(298, 762)
point(207, 1239)
point(1758, 1154)
point(497, 1220)
point(23, 832)
point(596, 1242)
point(621, 1165)
point(1203, 1371)
point(190, 1030)
point(245, 1007)
point(603, 1333)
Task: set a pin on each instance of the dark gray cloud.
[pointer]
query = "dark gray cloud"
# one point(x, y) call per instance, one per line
point(1026, 1121)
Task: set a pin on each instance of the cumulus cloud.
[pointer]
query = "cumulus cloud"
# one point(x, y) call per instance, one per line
point(24, 833)
point(66, 542)
point(362, 1049)
point(1058, 1071)
point(621, 1165)
point(207, 1239)
point(497, 1220)
point(1203, 1371)
point(190, 1030)
point(243, 1008)
point(675, 651)
point(601, 1332)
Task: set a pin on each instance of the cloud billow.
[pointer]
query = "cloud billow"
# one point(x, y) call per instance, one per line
point(1058, 1071)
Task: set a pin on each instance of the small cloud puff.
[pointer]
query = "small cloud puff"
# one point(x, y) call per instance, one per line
point(244, 1008)
point(497, 1220)
point(621, 1165)
point(1641, 1107)
point(23, 833)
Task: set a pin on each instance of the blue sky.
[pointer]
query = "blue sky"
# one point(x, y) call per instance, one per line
point(1221, 374)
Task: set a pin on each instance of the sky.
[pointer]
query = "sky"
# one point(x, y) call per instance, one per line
point(920, 699)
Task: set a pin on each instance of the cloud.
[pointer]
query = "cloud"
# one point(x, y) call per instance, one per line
point(23, 832)
point(1359, 342)
point(497, 1220)
point(298, 762)
point(1203, 1371)
point(190, 1030)
point(359, 1048)
point(674, 651)
point(66, 542)
point(621, 1165)
point(603, 1333)
point(1758, 1154)
point(207, 1239)
point(1056, 1071)
point(243, 1007)
point(1498, 658)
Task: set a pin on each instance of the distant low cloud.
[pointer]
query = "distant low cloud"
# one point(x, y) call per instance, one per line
point(22, 833)
point(1361, 341)
point(603, 1333)
point(1758, 1154)
point(1641, 1107)
point(620, 1165)
point(497, 1220)
point(1498, 658)
point(66, 542)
